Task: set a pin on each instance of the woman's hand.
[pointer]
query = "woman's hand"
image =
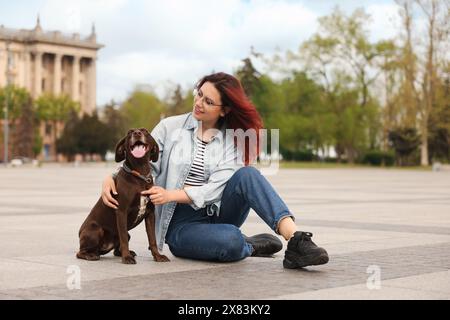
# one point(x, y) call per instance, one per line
point(109, 186)
point(158, 195)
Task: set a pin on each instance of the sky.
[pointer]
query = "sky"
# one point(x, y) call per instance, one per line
point(162, 43)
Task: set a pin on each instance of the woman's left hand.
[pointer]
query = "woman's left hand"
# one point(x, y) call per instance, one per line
point(158, 195)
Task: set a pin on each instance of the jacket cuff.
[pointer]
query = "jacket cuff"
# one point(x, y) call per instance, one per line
point(198, 200)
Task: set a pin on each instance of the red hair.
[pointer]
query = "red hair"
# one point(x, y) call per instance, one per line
point(243, 114)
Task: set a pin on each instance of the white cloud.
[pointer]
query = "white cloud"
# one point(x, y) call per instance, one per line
point(77, 15)
point(385, 21)
point(270, 24)
point(181, 41)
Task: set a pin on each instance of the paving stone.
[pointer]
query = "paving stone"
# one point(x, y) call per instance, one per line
point(398, 220)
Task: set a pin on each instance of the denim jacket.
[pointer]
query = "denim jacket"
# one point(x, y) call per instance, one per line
point(176, 140)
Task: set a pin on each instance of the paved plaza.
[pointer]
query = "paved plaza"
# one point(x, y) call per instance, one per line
point(387, 233)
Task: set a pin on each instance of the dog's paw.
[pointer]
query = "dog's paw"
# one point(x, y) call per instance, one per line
point(161, 258)
point(128, 259)
point(88, 256)
point(118, 254)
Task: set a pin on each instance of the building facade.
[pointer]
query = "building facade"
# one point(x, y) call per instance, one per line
point(50, 62)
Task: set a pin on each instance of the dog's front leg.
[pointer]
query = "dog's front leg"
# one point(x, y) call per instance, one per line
point(121, 219)
point(150, 227)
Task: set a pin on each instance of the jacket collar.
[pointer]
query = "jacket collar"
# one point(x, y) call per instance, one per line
point(192, 123)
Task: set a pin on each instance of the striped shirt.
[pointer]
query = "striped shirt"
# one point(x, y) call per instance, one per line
point(196, 176)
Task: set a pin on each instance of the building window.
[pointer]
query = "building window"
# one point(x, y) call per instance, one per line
point(62, 85)
point(11, 60)
point(81, 88)
point(48, 129)
point(43, 85)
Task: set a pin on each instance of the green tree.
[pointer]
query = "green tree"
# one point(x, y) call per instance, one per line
point(115, 122)
point(87, 135)
point(405, 142)
point(142, 109)
point(55, 110)
point(179, 103)
point(68, 143)
point(437, 14)
point(92, 135)
point(21, 119)
point(25, 130)
point(249, 77)
point(342, 58)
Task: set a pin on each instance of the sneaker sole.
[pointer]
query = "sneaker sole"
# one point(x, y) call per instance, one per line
point(293, 261)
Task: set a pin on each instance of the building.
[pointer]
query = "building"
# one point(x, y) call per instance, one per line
point(50, 62)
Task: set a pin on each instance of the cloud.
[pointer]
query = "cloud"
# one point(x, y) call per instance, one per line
point(181, 41)
point(385, 21)
point(78, 15)
point(174, 41)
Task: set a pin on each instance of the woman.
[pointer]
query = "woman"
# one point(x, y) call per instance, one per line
point(204, 188)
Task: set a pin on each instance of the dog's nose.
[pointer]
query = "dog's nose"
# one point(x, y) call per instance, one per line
point(137, 133)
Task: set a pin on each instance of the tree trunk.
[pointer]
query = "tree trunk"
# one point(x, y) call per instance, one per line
point(424, 150)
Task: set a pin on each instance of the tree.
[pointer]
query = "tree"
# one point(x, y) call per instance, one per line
point(409, 97)
point(438, 16)
point(92, 135)
point(404, 142)
point(87, 135)
point(142, 109)
point(345, 41)
point(55, 110)
point(341, 58)
point(24, 133)
point(115, 122)
point(67, 144)
point(179, 103)
point(249, 77)
point(20, 119)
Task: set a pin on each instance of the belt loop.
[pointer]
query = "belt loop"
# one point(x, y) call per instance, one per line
point(209, 212)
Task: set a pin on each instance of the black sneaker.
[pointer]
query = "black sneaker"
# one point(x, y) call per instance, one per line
point(264, 244)
point(302, 251)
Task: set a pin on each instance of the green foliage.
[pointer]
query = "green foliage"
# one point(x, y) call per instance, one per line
point(23, 131)
point(142, 109)
point(379, 158)
point(87, 135)
point(405, 142)
point(16, 98)
point(116, 124)
point(249, 77)
point(22, 120)
point(55, 108)
point(299, 155)
point(180, 103)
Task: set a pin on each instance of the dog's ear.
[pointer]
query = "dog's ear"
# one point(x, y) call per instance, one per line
point(120, 149)
point(154, 152)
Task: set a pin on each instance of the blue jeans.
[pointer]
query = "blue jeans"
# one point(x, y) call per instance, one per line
point(195, 235)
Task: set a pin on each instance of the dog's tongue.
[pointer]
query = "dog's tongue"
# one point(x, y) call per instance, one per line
point(138, 151)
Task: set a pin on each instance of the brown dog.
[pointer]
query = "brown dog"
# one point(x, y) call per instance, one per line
point(106, 228)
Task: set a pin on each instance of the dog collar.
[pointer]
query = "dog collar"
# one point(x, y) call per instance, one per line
point(148, 179)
